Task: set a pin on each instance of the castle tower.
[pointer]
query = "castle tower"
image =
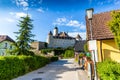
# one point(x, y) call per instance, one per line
point(78, 38)
point(55, 31)
point(50, 35)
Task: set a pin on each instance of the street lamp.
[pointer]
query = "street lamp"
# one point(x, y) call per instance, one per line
point(89, 13)
point(90, 16)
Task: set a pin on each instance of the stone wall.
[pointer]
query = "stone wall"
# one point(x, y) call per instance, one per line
point(38, 45)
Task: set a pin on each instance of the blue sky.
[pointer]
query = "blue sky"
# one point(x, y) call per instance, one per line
point(68, 15)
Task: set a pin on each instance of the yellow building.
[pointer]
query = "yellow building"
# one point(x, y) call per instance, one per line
point(103, 37)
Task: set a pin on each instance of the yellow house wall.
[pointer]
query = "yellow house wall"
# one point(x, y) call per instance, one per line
point(99, 51)
point(109, 50)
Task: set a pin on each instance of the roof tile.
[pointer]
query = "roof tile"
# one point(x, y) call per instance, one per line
point(5, 37)
point(100, 30)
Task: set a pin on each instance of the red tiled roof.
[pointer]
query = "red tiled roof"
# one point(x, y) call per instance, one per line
point(5, 37)
point(100, 30)
point(63, 35)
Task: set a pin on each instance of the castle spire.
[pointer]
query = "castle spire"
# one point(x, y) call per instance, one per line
point(55, 31)
point(50, 33)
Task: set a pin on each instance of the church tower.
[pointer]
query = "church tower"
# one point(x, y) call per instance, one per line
point(55, 31)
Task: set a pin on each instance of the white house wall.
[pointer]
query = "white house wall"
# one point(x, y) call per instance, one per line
point(61, 43)
point(3, 48)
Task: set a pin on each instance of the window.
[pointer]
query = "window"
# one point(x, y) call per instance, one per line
point(10, 47)
point(2, 54)
point(5, 45)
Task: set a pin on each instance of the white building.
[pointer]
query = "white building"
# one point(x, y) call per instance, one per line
point(61, 39)
point(5, 44)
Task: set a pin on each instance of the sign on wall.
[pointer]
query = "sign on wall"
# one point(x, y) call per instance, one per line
point(92, 44)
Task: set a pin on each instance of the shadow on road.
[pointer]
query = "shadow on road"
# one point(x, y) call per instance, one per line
point(60, 70)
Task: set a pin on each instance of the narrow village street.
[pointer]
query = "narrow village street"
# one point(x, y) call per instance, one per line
point(64, 69)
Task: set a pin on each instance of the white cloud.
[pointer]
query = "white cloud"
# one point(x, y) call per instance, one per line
point(23, 3)
point(74, 23)
point(40, 10)
point(74, 34)
point(10, 20)
point(7, 20)
point(60, 21)
point(116, 2)
point(70, 23)
point(19, 14)
point(82, 26)
point(14, 17)
point(11, 13)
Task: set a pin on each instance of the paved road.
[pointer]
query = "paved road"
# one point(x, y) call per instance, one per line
point(61, 70)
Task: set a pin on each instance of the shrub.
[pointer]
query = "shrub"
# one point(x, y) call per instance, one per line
point(86, 47)
point(69, 54)
point(69, 48)
point(14, 66)
point(108, 70)
point(45, 51)
point(59, 51)
point(54, 58)
point(81, 55)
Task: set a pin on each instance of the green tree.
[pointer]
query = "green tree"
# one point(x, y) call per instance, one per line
point(24, 36)
point(114, 25)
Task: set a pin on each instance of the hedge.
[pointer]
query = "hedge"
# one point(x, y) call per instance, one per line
point(14, 66)
point(108, 70)
point(53, 58)
point(59, 51)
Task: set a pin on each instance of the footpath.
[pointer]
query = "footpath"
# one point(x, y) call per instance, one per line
point(64, 69)
point(82, 74)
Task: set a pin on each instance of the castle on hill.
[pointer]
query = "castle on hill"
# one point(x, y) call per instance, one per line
point(61, 39)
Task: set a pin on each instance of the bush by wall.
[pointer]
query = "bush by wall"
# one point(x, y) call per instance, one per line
point(53, 58)
point(69, 54)
point(66, 53)
point(14, 66)
point(45, 51)
point(108, 70)
point(59, 51)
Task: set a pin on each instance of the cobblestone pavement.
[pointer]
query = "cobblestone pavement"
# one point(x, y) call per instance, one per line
point(64, 69)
